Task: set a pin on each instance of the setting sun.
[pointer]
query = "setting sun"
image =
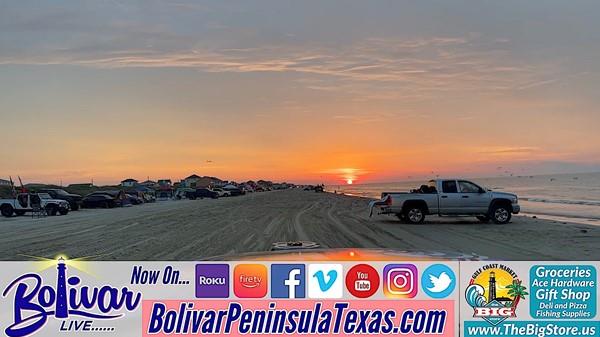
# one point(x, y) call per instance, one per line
point(349, 181)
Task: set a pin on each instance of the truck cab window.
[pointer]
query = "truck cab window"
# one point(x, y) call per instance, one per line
point(468, 187)
point(449, 186)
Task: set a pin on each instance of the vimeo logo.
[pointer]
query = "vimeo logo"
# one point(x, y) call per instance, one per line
point(325, 281)
point(288, 281)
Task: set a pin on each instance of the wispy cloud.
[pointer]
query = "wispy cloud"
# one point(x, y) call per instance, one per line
point(537, 84)
point(510, 150)
point(399, 68)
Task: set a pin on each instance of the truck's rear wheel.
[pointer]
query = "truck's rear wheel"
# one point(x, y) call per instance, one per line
point(414, 215)
point(500, 214)
point(6, 210)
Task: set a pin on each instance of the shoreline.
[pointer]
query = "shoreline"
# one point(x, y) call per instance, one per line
point(199, 229)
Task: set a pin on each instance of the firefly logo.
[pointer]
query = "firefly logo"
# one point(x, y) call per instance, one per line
point(68, 299)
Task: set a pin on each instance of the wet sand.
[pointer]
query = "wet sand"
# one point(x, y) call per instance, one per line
point(197, 229)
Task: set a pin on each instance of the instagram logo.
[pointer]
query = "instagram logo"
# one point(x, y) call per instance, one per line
point(400, 280)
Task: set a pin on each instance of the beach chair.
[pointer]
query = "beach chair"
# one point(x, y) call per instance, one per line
point(38, 211)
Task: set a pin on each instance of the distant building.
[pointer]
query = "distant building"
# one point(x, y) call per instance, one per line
point(265, 183)
point(129, 182)
point(4, 182)
point(191, 181)
point(164, 182)
point(196, 181)
point(220, 183)
point(164, 189)
point(205, 182)
point(148, 183)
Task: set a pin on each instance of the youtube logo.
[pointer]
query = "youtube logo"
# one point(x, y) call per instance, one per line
point(362, 281)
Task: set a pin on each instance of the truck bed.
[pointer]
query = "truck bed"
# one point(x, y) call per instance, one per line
point(391, 202)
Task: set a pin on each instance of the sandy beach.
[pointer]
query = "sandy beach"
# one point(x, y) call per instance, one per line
point(193, 230)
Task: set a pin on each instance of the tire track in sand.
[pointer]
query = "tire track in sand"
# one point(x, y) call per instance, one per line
point(298, 227)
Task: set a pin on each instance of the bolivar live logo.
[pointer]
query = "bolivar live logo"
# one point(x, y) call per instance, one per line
point(35, 302)
point(494, 292)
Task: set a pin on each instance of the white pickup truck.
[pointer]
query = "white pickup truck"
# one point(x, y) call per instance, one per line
point(448, 197)
point(26, 202)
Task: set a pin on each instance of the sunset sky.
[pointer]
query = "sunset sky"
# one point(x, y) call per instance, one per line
point(303, 91)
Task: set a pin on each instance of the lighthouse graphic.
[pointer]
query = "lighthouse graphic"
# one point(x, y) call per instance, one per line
point(492, 287)
point(62, 310)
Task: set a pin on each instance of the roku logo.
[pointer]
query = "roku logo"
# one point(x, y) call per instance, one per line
point(211, 280)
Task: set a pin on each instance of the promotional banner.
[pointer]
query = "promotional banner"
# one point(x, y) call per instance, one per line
point(58, 297)
point(449, 298)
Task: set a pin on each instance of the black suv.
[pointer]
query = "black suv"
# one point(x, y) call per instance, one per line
point(202, 193)
point(74, 200)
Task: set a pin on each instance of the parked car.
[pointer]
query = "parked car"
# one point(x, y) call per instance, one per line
point(134, 199)
point(105, 199)
point(233, 190)
point(149, 197)
point(184, 192)
point(27, 202)
point(221, 192)
point(116, 194)
point(74, 200)
point(449, 197)
point(98, 200)
point(203, 193)
point(145, 193)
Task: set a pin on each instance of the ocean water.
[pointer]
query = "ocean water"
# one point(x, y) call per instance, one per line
point(572, 197)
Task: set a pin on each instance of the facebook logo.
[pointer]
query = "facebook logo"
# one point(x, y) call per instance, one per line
point(288, 281)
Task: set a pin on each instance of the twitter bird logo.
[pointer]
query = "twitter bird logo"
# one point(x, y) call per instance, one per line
point(438, 281)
